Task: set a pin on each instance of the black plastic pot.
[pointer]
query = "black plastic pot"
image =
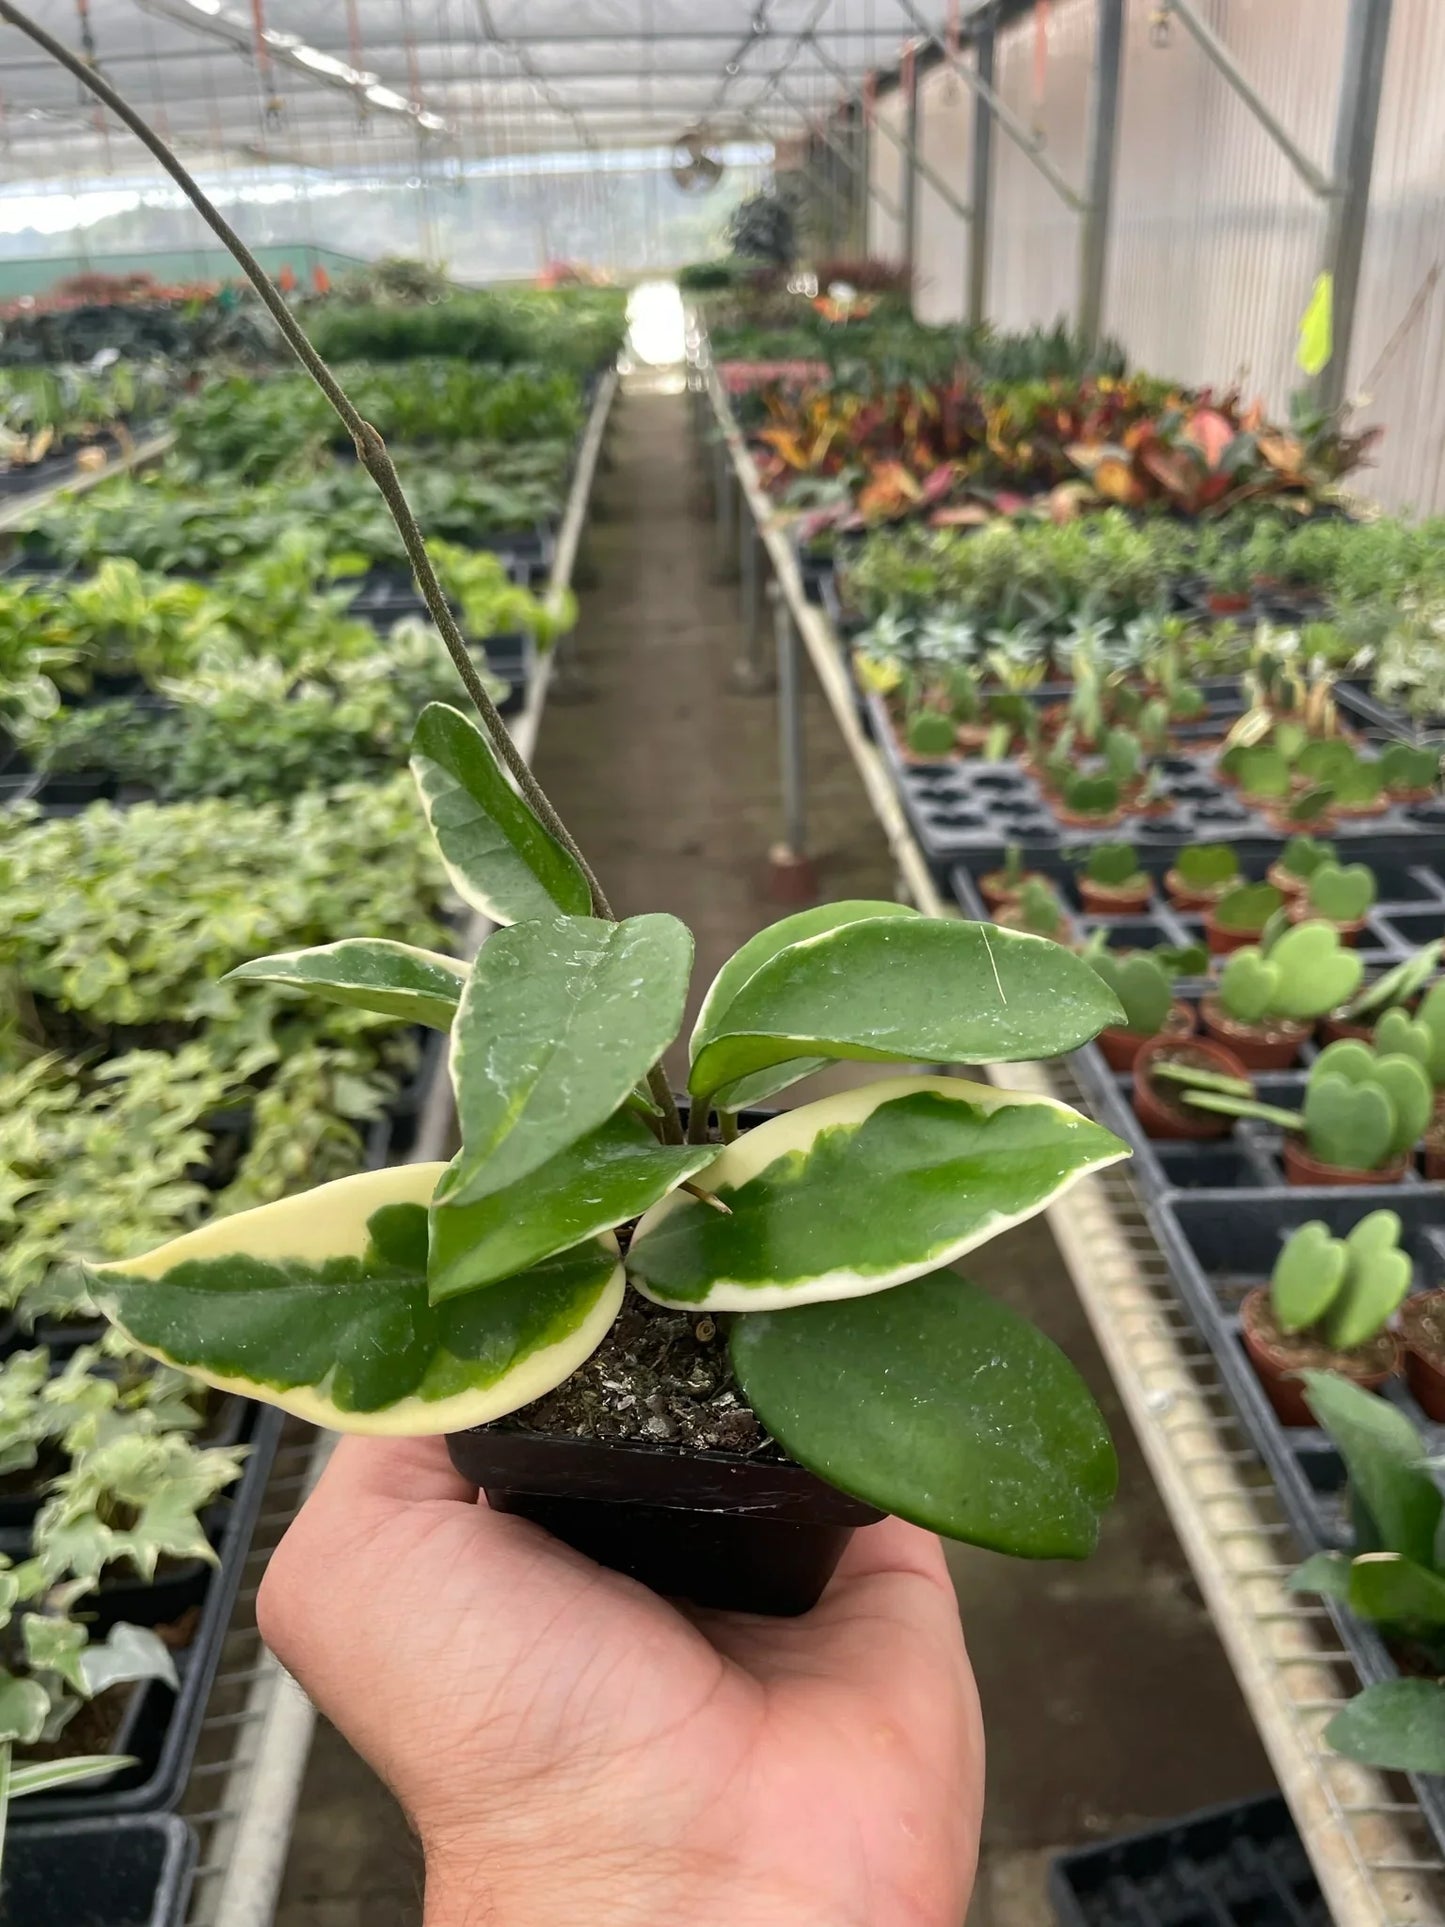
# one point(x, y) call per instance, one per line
point(720, 1530)
point(97, 1873)
point(1241, 1865)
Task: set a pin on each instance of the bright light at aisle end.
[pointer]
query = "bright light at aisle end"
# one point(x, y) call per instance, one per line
point(655, 324)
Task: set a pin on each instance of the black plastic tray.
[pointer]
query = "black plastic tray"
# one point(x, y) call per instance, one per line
point(97, 1873)
point(970, 811)
point(163, 1727)
point(1241, 1865)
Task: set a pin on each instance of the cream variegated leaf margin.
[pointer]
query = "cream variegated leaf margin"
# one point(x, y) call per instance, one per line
point(371, 973)
point(318, 1304)
point(863, 1191)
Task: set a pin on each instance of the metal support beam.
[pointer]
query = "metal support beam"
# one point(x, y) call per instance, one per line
point(1215, 51)
point(1367, 34)
point(790, 734)
point(981, 186)
point(1007, 119)
point(930, 174)
point(909, 238)
point(1099, 184)
point(839, 149)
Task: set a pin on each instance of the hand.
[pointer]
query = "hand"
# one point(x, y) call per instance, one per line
point(572, 1749)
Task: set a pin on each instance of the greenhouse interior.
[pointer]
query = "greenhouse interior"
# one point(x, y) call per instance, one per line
point(808, 638)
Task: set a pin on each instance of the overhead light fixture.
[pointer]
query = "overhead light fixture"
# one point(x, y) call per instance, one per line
point(211, 7)
point(388, 97)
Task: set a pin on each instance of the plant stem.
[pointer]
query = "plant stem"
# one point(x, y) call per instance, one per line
point(728, 1126)
point(372, 452)
point(699, 1118)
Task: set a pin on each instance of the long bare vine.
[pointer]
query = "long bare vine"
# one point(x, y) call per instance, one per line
point(372, 453)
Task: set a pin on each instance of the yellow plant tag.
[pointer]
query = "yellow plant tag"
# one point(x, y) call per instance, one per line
point(1316, 328)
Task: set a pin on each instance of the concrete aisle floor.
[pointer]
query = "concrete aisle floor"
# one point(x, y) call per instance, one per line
point(1107, 1699)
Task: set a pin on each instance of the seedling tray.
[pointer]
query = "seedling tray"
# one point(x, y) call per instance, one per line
point(97, 1873)
point(970, 811)
point(1241, 1865)
point(161, 1728)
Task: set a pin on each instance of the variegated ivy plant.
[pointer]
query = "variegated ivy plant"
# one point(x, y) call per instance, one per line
point(428, 1298)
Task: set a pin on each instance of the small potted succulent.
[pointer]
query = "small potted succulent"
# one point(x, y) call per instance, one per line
point(1421, 1035)
point(1268, 1001)
point(1170, 1071)
point(1338, 894)
point(1039, 910)
point(1359, 788)
point(1392, 1578)
point(1262, 773)
point(1397, 989)
point(1327, 1308)
point(1088, 800)
point(1297, 862)
point(1364, 1112)
point(1111, 882)
point(1143, 983)
point(1200, 875)
point(1241, 916)
point(579, 1234)
point(1004, 885)
point(1410, 772)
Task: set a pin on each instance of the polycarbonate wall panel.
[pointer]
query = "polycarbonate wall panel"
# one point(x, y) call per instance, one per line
point(945, 124)
point(885, 172)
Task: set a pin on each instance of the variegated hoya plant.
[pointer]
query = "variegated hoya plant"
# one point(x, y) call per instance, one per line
point(428, 1298)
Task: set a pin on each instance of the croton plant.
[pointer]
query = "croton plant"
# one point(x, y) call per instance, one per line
point(429, 1298)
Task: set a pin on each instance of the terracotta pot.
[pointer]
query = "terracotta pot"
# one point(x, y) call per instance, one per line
point(1077, 820)
point(1222, 602)
point(1435, 1148)
point(1185, 898)
point(1424, 795)
point(996, 892)
point(1301, 1167)
point(1284, 825)
point(1120, 1047)
point(1222, 940)
point(1354, 810)
point(1168, 1118)
point(1334, 1029)
point(1274, 1046)
point(1424, 1362)
point(1275, 1363)
point(1110, 900)
point(1300, 912)
point(1286, 880)
point(971, 737)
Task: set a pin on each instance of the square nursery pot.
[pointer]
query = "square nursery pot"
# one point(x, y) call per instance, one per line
point(717, 1528)
point(97, 1873)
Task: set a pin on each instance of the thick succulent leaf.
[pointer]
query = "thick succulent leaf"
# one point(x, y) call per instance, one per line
point(1323, 1572)
point(318, 1304)
point(1384, 1456)
point(763, 1085)
point(1398, 1724)
point(560, 1018)
point(607, 1177)
point(909, 989)
point(745, 963)
point(397, 979)
point(499, 857)
point(863, 1191)
point(937, 1403)
point(1393, 1591)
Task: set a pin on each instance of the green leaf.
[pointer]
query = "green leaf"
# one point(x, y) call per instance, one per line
point(130, 1652)
point(1323, 1572)
point(1307, 1276)
point(1384, 1457)
point(863, 1191)
point(54, 1646)
point(499, 857)
point(42, 1775)
point(909, 989)
point(1393, 1591)
point(745, 964)
point(604, 1179)
point(419, 986)
point(318, 1304)
point(24, 1708)
point(559, 1019)
point(939, 1404)
point(1398, 1724)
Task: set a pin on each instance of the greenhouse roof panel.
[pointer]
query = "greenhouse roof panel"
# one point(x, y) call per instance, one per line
point(342, 84)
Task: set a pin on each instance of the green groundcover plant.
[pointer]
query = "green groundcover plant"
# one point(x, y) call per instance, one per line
point(428, 1298)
